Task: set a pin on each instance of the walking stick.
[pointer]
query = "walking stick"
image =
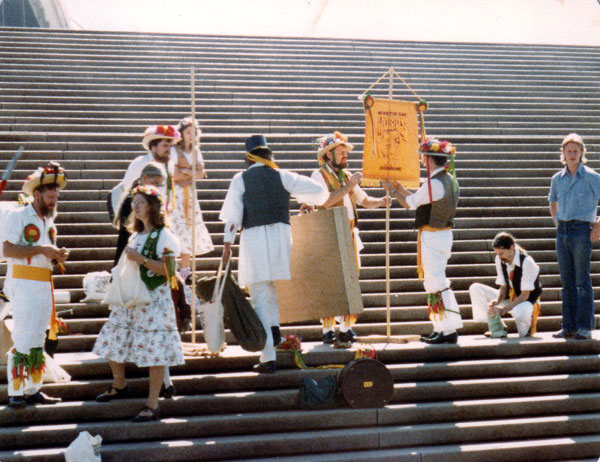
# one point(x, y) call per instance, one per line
point(195, 199)
point(10, 168)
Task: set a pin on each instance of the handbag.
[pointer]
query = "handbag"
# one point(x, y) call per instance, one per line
point(126, 287)
point(212, 314)
point(319, 394)
point(239, 315)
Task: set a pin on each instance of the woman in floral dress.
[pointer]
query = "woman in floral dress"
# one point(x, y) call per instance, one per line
point(186, 204)
point(146, 334)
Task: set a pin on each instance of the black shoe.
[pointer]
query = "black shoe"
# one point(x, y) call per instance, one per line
point(582, 335)
point(268, 367)
point(276, 336)
point(118, 394)
point(3, 297)
point(147, 414)
point(441, 338)
point(329, 338)
point(41, 398)
point(349, 336)
point(16, 401)
point(168, 392)
point(425, 337)
point(563, 334)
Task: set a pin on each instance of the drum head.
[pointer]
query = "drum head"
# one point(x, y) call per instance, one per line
point(366, 383)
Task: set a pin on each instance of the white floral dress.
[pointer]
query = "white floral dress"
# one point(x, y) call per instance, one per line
point(145, 335)
point(181, 223)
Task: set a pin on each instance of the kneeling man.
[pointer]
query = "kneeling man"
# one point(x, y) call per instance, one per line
point(519, 279)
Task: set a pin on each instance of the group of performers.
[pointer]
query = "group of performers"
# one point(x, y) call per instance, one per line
point(158, 189)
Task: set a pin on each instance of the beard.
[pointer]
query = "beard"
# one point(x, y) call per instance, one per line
point(342, 164)
point(48, 211)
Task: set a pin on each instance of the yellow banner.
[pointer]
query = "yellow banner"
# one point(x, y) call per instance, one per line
point(391, 142)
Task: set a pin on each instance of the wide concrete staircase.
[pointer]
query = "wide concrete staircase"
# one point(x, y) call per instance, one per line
point(84, 99)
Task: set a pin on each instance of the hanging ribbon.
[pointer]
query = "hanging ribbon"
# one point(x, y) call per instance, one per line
point(262, 160)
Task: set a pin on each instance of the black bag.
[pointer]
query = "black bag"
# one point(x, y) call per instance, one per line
point(239, 316)
point(319, 394)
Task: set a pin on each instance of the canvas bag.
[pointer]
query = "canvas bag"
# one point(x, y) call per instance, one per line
point(126, 288)
point(212, 313)
point(239, 315)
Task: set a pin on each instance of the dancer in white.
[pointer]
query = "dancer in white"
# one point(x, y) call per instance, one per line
point(31, 251)
point(257, 202)
point(435, 203)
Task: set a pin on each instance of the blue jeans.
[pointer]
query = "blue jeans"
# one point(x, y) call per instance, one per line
point(574, 254)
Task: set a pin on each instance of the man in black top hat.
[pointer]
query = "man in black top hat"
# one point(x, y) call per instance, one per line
point(257, 202)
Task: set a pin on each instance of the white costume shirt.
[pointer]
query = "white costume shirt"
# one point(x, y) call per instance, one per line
point(359, 194)
point(421, 195)
point(529, 274)
point(14, 232)
point(265, 250)
point(135, 170)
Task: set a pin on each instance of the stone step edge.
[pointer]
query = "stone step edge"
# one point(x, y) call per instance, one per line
point(332, 441)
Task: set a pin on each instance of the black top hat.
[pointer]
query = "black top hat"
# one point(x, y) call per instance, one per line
point(256, 142)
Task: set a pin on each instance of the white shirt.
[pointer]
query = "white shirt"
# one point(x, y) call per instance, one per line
point(421, 195)
point(265, 250)
point(359, 194)
point(137, 165)
point(530, 271)
point(14, 232)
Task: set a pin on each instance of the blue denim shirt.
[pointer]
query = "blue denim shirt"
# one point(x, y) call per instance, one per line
point(577, 196)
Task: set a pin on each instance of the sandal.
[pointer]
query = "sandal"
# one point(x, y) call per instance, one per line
point(114, 393)
point(147, 414)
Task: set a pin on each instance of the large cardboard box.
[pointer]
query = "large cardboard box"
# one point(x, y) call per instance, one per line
point(324, 272)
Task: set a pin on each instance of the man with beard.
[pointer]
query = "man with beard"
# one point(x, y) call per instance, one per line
point(435, 205)
point(519, 279)
point(344, 191)
point(31, 251)
point(157, 141)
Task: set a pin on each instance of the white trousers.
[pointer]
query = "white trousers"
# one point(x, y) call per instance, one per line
point(31, 303)
point(264, 300)
point(481, 296)
point(436, 247)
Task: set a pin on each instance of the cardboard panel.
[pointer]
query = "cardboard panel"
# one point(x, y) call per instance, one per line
point(5, 339)
point(323, 267)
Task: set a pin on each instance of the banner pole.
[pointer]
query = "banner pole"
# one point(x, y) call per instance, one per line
point(388, 314)
point(193, 202)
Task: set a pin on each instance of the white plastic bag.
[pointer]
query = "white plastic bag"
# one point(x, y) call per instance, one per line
point(54, 373)
point(95, 285)
point(84, 448)
point(126, 288)
point(212, 314)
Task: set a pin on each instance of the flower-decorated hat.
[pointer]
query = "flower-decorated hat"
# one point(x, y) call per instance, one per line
point(329, 142)
point(435, 147)
point(148, 190)
point(156, 132)
point(51, 174)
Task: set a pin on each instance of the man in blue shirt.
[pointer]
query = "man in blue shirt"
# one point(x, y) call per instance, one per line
point(574, 196)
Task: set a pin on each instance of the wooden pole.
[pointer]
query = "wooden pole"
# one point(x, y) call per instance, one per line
point(388, 314)
point(193, 203)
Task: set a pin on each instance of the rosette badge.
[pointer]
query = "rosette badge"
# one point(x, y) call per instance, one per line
point(368, 102)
